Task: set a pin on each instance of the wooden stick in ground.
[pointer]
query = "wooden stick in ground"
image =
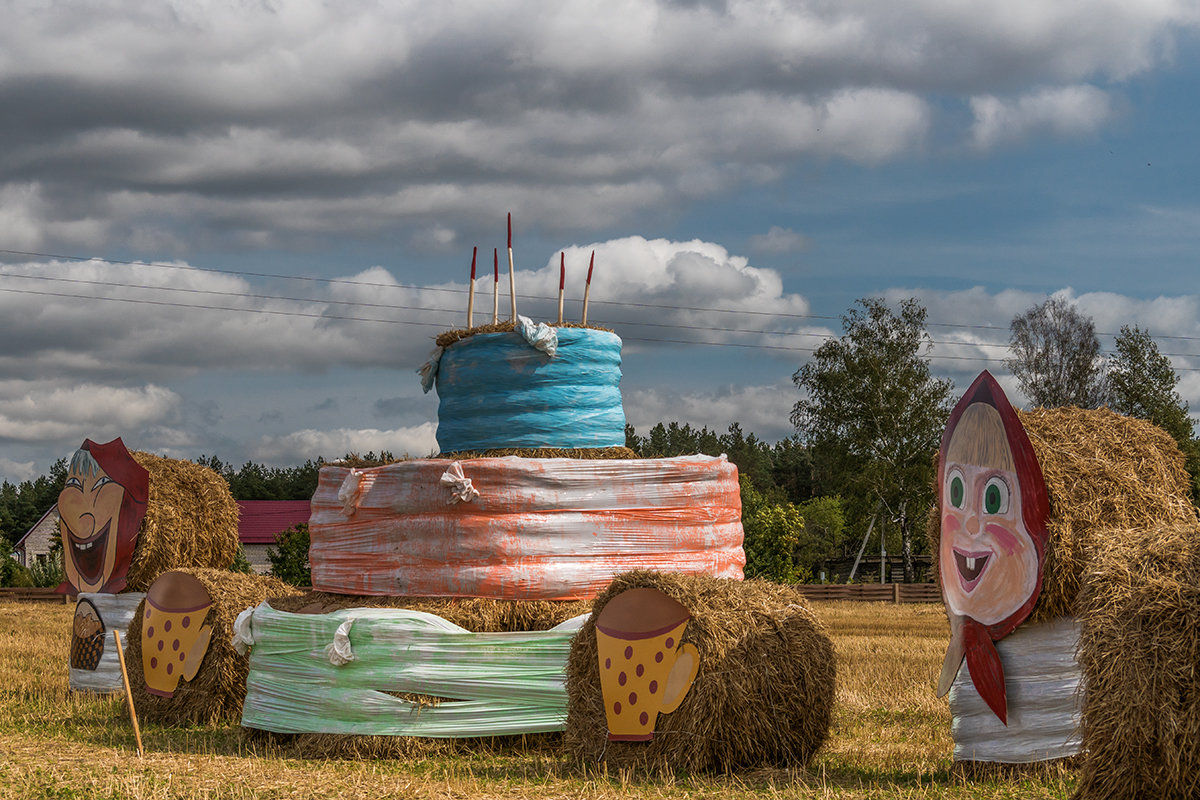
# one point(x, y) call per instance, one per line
point(137, 733)
point(512, 286)
point(471, 292)
point(587, 289)
point(495, 285)
point(562, 282)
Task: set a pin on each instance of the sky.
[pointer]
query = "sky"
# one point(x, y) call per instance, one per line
point(235, 228)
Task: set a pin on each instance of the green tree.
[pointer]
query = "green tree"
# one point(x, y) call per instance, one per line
point(873, 415)
point(1056, 356)
point(289, 557)
point(11, 572)
point(240, 562)
point(824, 534)
point(772, 531)
point(1142, 384)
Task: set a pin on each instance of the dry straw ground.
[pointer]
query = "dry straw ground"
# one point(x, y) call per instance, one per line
point(890, 737)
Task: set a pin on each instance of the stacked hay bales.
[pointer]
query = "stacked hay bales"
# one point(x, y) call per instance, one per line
point(478, 615)
point(216, 692)
point(1139, 650)
point(1123, 559)
point(763, 695)
point(191, 521)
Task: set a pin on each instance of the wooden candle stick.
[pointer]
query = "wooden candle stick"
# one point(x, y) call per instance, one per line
point(587, 289)
point(471, 291)
point(562, 282)
point(512, 285)
point(495, 285)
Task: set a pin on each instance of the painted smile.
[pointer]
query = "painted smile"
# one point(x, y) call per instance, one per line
point(971, 567)
point(88, 554)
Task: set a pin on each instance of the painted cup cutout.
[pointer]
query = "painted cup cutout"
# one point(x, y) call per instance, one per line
point(645, 670)
point(87, 636)
point(174, 636)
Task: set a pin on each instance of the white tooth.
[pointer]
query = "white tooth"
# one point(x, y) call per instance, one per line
point(971, 563)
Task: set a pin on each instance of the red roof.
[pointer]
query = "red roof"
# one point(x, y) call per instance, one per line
point(259, 521)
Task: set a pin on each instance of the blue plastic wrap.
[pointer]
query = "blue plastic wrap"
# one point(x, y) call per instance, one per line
point(496, 391)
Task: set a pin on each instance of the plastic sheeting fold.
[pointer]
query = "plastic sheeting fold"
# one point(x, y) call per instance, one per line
point(116, 612)
point(496, 683)
point(495, 391)
point(1043, 684)
point(551, 529)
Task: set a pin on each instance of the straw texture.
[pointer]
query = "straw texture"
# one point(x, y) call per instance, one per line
point(763, 695)
point(191, 521)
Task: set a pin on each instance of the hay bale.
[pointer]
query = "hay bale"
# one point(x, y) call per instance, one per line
point(477, 615)
point(191, 521)
point(1139, 650)
point(447, 338)
point(216, 692)
point(1103, 472)
point(763, 695)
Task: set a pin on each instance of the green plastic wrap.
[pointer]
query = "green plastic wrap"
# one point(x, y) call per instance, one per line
point(332, 673)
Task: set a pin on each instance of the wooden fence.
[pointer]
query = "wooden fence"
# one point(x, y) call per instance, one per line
point(876, 592)
point(35, 594)
point(886, 592)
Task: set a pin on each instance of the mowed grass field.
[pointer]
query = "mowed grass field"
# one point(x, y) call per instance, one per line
point(890, 737)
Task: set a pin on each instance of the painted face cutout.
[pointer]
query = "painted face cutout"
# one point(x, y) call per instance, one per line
point(101, 508)
point(993, 535)
point(989, 562)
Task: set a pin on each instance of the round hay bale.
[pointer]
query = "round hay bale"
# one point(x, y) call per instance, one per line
point(1103, 472)
point(216, 691)
point(191, 521)
point(1139, 647)
point(477, 615)
point(763, 694)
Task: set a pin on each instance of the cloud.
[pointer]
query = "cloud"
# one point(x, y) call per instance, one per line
point(249, 125)
point(778, 240)
point(293, 448)
point(39, 412)
point(15, 472)
point(761, 410)
point(1069, 111)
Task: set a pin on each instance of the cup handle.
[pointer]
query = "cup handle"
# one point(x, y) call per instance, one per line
point(687, 664)
point(196, 655)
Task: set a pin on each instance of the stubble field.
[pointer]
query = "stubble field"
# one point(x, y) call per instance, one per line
point(890, 737)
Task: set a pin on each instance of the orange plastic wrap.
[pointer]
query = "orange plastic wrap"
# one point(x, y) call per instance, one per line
point(520, 528)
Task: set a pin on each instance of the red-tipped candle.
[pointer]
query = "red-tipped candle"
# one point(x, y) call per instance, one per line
point(474, 252)
point(471, 293)
point(496, 263)
point(587, 289)
point(510, 230)
point(562, 271)
point(591, 264)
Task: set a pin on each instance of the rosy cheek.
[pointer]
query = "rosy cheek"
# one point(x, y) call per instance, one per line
point(950, 524)
point(1004, 537)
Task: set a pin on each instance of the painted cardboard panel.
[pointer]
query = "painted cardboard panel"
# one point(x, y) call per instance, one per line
point(994, 509)
point(174, 636)
point(101, 509)
point(644, 669)
point(87, 636)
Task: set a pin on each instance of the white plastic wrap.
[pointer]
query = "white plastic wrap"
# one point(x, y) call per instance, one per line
point(116, 612)
point(1043, 684)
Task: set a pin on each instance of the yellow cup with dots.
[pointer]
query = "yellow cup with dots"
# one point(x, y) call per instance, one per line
point(645, 668)
point(174, 636)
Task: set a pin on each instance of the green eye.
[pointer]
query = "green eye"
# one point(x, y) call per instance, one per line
point(995, 496)
point(956, 490)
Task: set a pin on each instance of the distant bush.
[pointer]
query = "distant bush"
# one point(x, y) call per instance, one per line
point(772, 531)
point(289, 562)
point(240, 562)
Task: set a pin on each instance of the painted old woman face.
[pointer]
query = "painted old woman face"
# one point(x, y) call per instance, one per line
point(90, 507)
point(988, 560)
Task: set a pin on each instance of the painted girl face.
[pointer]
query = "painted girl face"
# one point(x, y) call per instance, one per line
point(90, 509)
point(988, 560)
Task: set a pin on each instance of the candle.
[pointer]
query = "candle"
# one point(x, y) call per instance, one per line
point(562, 282)
point(471, 291)
point(587, 289)
point(495, 286)
point(512, 283)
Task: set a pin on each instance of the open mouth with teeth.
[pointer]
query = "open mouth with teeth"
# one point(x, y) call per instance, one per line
point(88, 554)
point(971, 567)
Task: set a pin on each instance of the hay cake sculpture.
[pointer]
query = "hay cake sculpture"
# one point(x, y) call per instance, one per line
point(1013, 559)
point(125, 518)
point(538, 501)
